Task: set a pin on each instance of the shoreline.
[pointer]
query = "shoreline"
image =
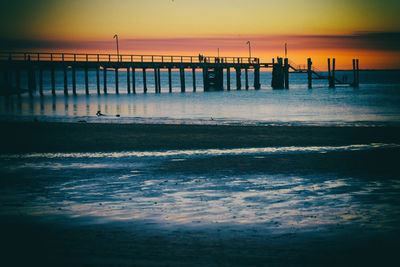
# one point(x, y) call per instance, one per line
point(20, 137)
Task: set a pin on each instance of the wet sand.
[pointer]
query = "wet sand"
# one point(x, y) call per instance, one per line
point(55, 238)
point(80, 137)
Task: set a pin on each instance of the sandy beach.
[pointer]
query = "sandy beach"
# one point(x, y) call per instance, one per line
point(80, 137)
point(316, 208)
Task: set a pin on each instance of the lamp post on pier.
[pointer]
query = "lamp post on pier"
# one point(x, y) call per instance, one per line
point(116, 37)
point(248, 42)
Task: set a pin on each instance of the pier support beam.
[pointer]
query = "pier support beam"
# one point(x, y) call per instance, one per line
point(53, 82)
point(65, 81)
point(155, 80)
point(238, 78)
point(98, 79)
point(257, 84)
point(170, 80)
point(87, 81)
point(246, 78)
point(194, 79)
point(228, 79)
point(309, 73)
point(133, 80)
point(286, 72)
point(331, 77)
point(31, 80)
point(105, 80)
point(182, 74)
point(159, 79)
point(73, 80)
point(40, 81)
point(116, 81)
point(144, 81)
point(128, 80)
point(277, 75)
point(356, 72)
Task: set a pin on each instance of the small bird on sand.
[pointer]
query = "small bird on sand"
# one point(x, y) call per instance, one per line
point(99, 113)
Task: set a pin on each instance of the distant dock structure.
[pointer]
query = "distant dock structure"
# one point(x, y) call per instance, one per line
point(33, 65)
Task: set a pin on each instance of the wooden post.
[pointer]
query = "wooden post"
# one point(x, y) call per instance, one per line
point(329, 73)
point(228, 78)
point(194, 79)
point(133, 80)
point(86, 80)
point(144, 81)
point(128, 80)
point(238, 78)
point(257, 84)
point(116, 81)
point(286, 72)
point(170, 80)
point(246, 78)
point(155, 80)
point(73, 80)
point(65, 81)
point(309, 73)
point(159, 79)
point(98, 77)
point(105, 80)
point(277, 75)
point(358, 73)
point(53, 82)
point(182, 74)
point(41, 81)
point(333, 72)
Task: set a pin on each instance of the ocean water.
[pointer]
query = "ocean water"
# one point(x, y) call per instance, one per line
point(375, 102)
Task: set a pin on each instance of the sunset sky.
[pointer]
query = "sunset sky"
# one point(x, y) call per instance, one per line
point(366, 29)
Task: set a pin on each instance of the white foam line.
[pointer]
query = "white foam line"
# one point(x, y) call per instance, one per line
point(204, 152)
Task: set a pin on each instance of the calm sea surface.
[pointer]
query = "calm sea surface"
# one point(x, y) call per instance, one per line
point(375, 102)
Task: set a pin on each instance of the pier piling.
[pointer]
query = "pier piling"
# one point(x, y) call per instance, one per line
point(156, 80)
point(65, 81)
point(86, 81)
point(105, 80)
point(40, 81)
point(286, 72)
point(128, 80)
point(116, 81)
point(257, 84)
point(144, 81)
point(228, 79)
point(98, 80)
point(133, 80)
point(238, 78)
point(309, 73)
point(170, 80)
point(53, 82)
point(194, 79)
point(182, 75)
point(246, 78)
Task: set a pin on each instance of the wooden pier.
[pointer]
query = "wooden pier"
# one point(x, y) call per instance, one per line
point(34, 65)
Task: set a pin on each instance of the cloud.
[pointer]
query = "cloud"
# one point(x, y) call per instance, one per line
point(379, 41)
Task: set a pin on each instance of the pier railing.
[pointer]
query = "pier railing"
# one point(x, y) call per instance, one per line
point(72, 57)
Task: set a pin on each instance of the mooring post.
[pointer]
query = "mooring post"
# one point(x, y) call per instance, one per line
point(246, 78)
point(228, 79)
point(18, 79)
point(73, 80)
point(105, 80)
point(329, 73)
point(128, 80)
point(31, 80)
point(53, 82)
point(238, 78)
point(194, 79)
point(40, 81)
point(116, 81)
point(144, 81)
point(358, 73)
point(182, 74)
point(170, 80)
point(286, 72)
point(98, 77)
point(86, 80)
point(309, 73)
point(65, 81)
point(133, 80)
